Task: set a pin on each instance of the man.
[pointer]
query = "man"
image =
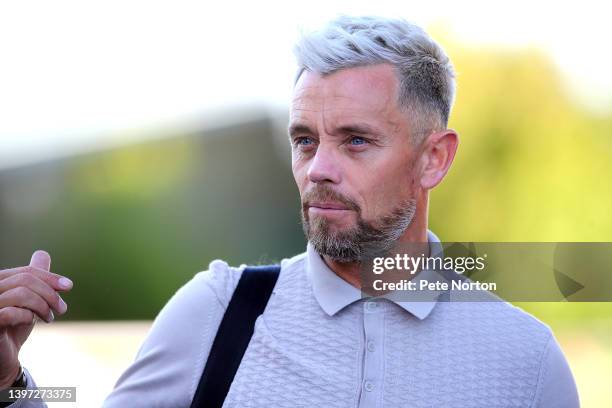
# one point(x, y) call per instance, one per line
point(369, 137)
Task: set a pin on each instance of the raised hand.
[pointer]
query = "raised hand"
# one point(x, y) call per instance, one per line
point(27, 293)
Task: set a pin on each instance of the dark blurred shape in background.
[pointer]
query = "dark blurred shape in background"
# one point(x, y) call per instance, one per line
point(132, 224)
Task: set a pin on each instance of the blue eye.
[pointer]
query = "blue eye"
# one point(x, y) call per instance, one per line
point(304, 141)
point(358, 141)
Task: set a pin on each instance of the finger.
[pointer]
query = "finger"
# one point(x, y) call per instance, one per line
point(25, 298)
point(14, 316)
point(41, 260)
point(36, 285)
point(57, 282)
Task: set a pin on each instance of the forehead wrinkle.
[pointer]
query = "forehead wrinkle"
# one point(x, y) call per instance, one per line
point(305, 103)
point(336, 108)
point(344, 116)
point(307, 91)
point(301, 112)
point(305, 110)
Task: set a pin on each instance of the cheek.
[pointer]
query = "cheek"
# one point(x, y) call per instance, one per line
point(299, 173)
point(382, 188)
point(369, 191)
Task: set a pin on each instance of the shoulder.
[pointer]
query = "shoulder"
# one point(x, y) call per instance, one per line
point(497, 334)
point(177, 345)
point(498, 319)
point(198, 306)
point(206, 292)
point(522, 323)
point(221, 280)
point(215, 286)
point(218, 281)
point(554, 384)
point(293, 265)
point(493, 314)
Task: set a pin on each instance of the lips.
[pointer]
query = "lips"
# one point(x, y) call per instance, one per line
point(328, 205)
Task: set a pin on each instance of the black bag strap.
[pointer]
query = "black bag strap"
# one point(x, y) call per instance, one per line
point(234, 334)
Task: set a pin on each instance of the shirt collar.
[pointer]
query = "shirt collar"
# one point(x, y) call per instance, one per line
point(334, 293)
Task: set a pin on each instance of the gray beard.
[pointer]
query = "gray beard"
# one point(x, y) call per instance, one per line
point(364, 241)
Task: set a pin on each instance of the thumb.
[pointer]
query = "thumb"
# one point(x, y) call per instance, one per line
point(41, 259)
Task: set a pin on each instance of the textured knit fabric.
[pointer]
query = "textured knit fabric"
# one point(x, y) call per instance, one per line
point(319, 344)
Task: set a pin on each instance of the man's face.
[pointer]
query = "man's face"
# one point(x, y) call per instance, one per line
point(353, 161)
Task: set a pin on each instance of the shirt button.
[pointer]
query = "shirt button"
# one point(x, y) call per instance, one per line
point(371, 345)
point(369, 386)
point(371, 306)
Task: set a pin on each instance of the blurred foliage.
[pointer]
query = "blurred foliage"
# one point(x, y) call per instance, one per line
point(132, 224)
point(532, 164)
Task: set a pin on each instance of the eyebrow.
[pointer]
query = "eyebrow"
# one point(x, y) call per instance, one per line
point(360, 128)
point(296, 128)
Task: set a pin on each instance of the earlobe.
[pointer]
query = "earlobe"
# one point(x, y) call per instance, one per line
point(438, 154)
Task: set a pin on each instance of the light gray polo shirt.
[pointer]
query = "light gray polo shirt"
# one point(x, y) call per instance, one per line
point(319, 344)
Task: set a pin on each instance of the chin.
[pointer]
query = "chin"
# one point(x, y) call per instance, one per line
point(333, 226)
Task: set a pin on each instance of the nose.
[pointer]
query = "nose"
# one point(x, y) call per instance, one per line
point(324, 166)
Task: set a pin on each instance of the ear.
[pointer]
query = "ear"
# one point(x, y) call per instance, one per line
point(437, 155)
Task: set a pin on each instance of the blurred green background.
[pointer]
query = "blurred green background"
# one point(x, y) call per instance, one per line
point(131, 224)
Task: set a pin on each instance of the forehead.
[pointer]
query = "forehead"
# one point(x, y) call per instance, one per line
point(370, 92)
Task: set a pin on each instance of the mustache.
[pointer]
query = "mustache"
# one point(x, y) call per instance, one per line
point(326, 193)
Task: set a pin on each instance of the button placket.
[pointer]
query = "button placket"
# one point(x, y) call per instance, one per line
point(373, 324)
